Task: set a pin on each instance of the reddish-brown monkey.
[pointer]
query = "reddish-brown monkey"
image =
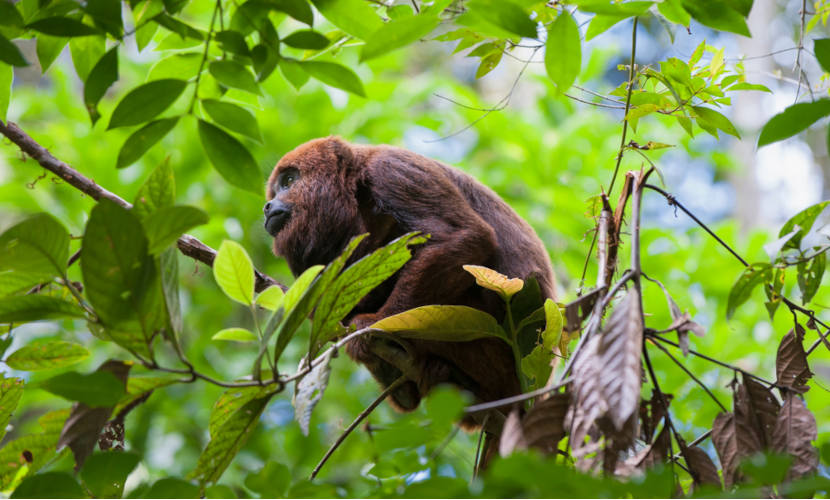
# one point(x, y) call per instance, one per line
point(327, 191)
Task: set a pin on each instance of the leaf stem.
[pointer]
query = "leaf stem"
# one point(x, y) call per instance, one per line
point(216, 10)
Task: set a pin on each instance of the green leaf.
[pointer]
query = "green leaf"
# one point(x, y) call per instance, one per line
point(105, 473)
point(505, 14)
point(140, 141)
point(181, 66)
point(182, 29)
point(715, 119)
point(234, 75)
point(119, 276)
point(49, 485)
point(751, 277)
point(822, 49)
point(159, 190)
point(22, 308)
point(488, 63)
point(233, 117)
point(563, 53)
point(101, 77)
point(86, 51)
point(234, 272)
point(355, 282)
point(235, 334)
point(46, 356)
point(627, 9)
point(40, 446)
point(298, 9)
point(11, 389)
point(96, 389)
point(231, 159)
point(9, 15)
point(233, 42)
point(444, 323)
point(265, 61)
point(16, 282)
point(37, 245)
point(335, 75)
point(48, 49)
point(793, 120)
point(10, 54)
point(355, 17)
point(396, 34)
point(271, 481)
point(717, 14)
point(137, 387)
point(293, 71)
point(62, 26)
point(804, 221)
point(107, 15)
point(810, 275)
point(172, 487)
point(271, 298)
point(601, 23)
point(536, 366)
point(169, 265)
point(306, 39)
point(6, 77)
point(146, 101)
point(166, 224)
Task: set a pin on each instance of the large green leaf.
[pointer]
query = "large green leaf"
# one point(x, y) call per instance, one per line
point(47, 355)
point(397, 34)
point(298, 9)
point(9, 15)
point(10, 54)
point(96, 389)
point(40, 446)
point(751, 277)
point(355, 17)
point(293, 71)
point(159, 190)
point(234, 75)
point(289, 301)
point(138, 387)
point(231, 159)
point(804, 220)
point(49, 485)
point(166, 224)
point(119, 275)
point(821, 46)
point(793, 120)
point(48, 49)
point(715, 119)
point(234, 272)
point(563, 52)
point(62, 26)
point(101, 77)
point(11, 389)
point(37, 245)
point(140, 141)
point(717, 14)
point(335, 75)
point(306, 39)
point(107, 15)
point(233, 118)
point(445, 323)
point(86, 51)
point(505, 14)
point(172, 487)
point(235, 334)
point(355, 282)
point(145, 102)
point(105, 473)
point(22, 308)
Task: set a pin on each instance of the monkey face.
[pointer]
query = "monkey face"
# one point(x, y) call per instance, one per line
point(277, 211)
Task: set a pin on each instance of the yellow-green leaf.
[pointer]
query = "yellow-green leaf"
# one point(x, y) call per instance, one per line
point(271, 298)
point(235, 334)
point(494, 280)
point(446, 323)
point(234, 272)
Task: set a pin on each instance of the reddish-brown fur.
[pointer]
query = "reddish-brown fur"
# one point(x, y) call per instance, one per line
point(345, 189)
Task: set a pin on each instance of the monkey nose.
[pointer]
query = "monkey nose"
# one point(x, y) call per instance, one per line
point(276, 215)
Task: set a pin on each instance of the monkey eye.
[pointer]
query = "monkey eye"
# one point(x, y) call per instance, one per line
point(287, 177)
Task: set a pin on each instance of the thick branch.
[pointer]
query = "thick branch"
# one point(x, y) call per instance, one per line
point(187, 244)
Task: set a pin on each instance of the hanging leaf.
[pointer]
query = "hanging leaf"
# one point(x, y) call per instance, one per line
point(715, 119)
point(800, 224)
point(38, 244)
point(544, 424)
point(167, 224)
point(793, 120)
point(717, 14)
point(140, 141)
point(233, 118)
point(309, 390)
point(397, 34)
point(809, 276)
point(795, 430)
point(726, 443)
point(101, 78)
point(754, 275)
point(62, 26)
point(10, 54)
point(563, 52)
point(791, 361)
point(757, 405)
point(159, 190)
point(512, 435)
point(232, 74)
point(306, 39)
point(701, 467)
point(232, 160)
point(144, 102)
point(335, 75)
point(355, 17)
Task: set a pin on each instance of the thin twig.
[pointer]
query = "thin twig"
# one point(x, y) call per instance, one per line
point(690, 374)
point(629, 90)
point(802, 76)
point(320, 357)
point(188, 245)
point(365, 413)
point(516, 399)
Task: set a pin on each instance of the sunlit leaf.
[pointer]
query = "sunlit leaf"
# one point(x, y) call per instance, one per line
point(271, 298)
point(494, 280)
point(793, 120)
point(140, 141)
point(563, 52)
point(335, 75)
point(234, 272)
point(447, 323)
point(355, 17)
point(47, 355)
point(11, 390)
point(146, 101)
point(236, 334)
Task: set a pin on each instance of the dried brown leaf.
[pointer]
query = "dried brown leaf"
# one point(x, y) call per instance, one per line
point(512, 436)
point(747, 430)
point(651, 413)
point(588, 403)
point(758, 407)
point(794, 431)
point(309, 391)
point(619, 358)
point(725, 440)
point(791, 361)
point(544, 424)
point(701, 467)
point(658, 451)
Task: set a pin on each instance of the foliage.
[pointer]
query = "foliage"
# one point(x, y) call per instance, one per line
point(206, 72)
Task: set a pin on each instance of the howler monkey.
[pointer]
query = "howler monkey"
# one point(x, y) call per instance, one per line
point(327, 191)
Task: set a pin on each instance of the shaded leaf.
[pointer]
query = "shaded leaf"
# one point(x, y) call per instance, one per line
point(232, 74)
point(398, 33)
point(725, 440)
point(101, 77)
point(821, 48)
point(298, 9)
point(49, 485)
point(715, 119)
point(38, 244)
point(446, 323)
point(100, 388)
point(105, 473)
point(754, 275)
point(717, 14)
point(138, 387)
point(165, 225)
point(306, 39)
point(23, 308)
point(335, 75)
point(757, 405)
point(62, 26)
point(271, 481)
point(293, 71)
point(494, 280)
point(140, 141)
point(159, 190)
point(793, 120)
point(544, 424)
point(791, 361)
point(563, 52)
point(172, 487)
point(146, 101)
point(233, 117)
point(48, 355)
point(10, 54)
point(231, 159)
point(234, 272)
point(810, 275)
point(702, 468)
point(31, 452)
point(309, 390)
point(795, 430)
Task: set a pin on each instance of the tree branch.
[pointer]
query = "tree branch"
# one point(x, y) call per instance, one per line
point(187, 244)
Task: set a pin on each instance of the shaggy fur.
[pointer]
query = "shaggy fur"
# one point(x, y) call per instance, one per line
point(344, 189)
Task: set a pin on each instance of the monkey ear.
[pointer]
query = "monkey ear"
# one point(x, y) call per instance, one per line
point(344, 153)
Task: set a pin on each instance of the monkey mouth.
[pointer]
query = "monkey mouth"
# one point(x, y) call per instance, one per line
point(275, 222)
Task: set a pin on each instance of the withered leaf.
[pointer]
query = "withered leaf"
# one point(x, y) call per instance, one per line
point(658, 451)
point(81, 430)
point(588, 402)
point(747, 428)
point(791, 361)
point(794, 432)
point(757, 405)
point(619, 358)
point(309, 390)
point(702, 467)
point(544, 424)
point(651, 413)
point(725, 440)
point(512, 436)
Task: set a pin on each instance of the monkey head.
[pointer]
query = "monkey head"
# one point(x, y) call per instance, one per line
point(312, 209)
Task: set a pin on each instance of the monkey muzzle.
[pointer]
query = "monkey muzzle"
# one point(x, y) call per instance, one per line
point(277, 214)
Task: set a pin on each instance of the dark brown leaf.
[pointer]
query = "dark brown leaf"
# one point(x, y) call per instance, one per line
point(651, 413)
point(758, 407)
point(544, 424)
point(747, 427)
point(81, 430)
point(658, 451)
point(794, 432)
point(700, 466)
point(512, 436)
point(588, 402)
point(791, 361)
point(725, 440)
point(579, 309)
point(619, 352)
